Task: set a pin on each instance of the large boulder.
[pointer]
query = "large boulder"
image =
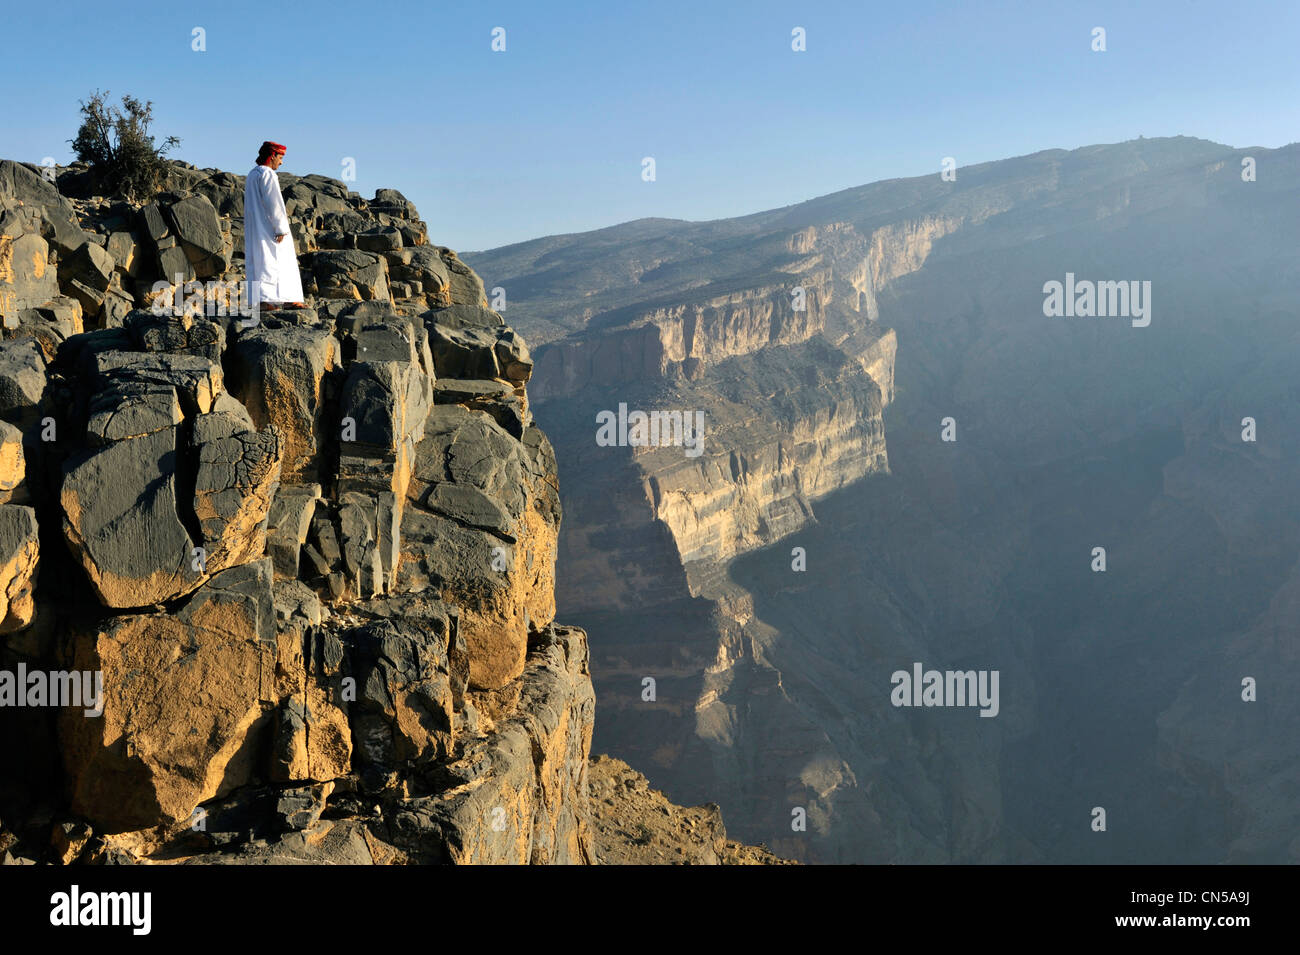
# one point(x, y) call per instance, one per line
point(392, 202)
point(351, 274)
point(125, 247)
point(500, 399)
point(131, 410)
point(53, 216)
point(424, 272)
point(86, 275)
point(186, 334)
point(170, 259)
point(175, 483)
point(281, 376)
point(513, 357)
point(480, 528)
point(225, 190)
point(188, 698)
point(120, 521)
point(22, 382)
point(26, 278)
point(388, 401)
point(380, 239)
point(197, 380)
point(404, 706)
point(472, 342)
point(287, 525)
point(238, 471)
point(464, 352)
point(196, 226)
point(464, 286)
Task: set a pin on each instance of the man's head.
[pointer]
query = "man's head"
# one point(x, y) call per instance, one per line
point(271, 154)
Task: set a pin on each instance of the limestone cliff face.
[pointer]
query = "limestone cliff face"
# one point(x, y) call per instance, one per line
point(755, 481)
point(681, 339)
point(868, 260)
point(666, 520)
point(743, 321)
point(305, 559)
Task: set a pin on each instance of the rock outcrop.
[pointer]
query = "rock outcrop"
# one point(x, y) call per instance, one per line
point(303, 559)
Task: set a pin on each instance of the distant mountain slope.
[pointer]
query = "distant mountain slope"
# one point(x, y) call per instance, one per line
point(557, 284)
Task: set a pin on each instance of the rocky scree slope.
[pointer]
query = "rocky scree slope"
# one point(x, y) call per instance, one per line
point(633, 824)
point(311, 557)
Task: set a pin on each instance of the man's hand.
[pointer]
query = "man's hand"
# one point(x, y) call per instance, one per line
point(279, 238)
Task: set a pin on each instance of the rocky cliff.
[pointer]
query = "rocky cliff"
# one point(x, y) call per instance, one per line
point(276, 586)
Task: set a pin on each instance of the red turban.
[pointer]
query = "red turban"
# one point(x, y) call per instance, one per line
point(269, 149)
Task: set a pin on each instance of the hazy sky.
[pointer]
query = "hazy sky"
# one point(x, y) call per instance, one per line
point(549, 135)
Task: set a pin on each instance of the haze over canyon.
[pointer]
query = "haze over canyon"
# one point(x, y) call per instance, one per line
point(912, 454)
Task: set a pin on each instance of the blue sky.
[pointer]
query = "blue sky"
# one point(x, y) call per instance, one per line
point(548, 136)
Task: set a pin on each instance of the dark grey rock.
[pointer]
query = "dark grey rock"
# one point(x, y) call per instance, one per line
point(382, 239)
point(197, 380)
point(300, 808)
point(197, 336)
point(350, 274)
point(55, 218)
point(124, 247)
point(22, 382)
point(86, 275)
point(195, 224)
point(403, 710)
point(464, 352)
point(120, 520)
point(131, 410)
point(288, 524)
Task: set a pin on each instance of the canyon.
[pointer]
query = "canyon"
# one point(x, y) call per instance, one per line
point(828, 535)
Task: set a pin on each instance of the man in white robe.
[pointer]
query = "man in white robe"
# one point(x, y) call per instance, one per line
point(270, 260)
